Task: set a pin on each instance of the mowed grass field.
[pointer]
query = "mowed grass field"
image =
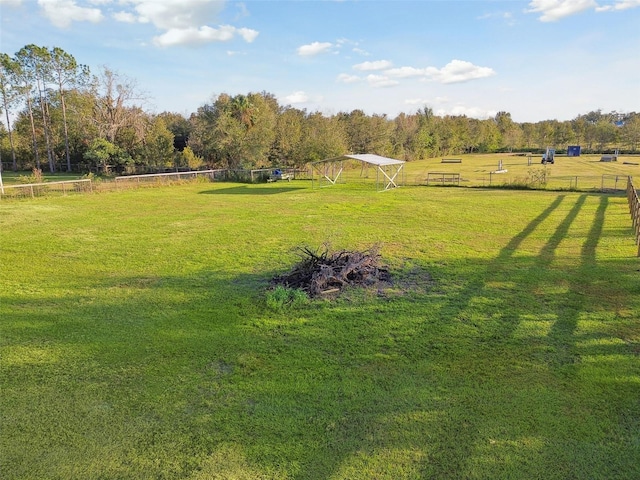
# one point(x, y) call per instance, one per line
point(136, 340)
point(584, 173)
point(567, 173)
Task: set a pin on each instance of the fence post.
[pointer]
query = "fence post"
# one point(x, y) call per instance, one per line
point(636, 219)
point(634, 207)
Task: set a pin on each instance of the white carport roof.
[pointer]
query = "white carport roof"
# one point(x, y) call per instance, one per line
point(389, 168)
point(367, 158)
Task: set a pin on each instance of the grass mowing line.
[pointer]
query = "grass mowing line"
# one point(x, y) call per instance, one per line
point(141, 345)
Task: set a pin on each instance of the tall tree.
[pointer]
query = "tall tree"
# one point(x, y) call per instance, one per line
point(10, 94)
point(24, 77)
point(287, 142)
point(578, 126)
point(405, 129)
point(630, 131)
point(367, 134)
point(158, 144)
point(459, 139)
point(244, 110)
point(606, 133)
point(490, 137)
point(36, 63)
point(236, 132)
point(544, 133)
point(66, 73)
point(323, 137)
point(259, 132)
point(180, 127)
point(117, 104)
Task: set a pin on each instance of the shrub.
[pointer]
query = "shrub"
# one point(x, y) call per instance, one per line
point(282, 297)
point(35, 177)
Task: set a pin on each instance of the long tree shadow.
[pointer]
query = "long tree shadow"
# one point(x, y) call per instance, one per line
point(456, 409)
point(168, 372)
point(386, 396)
point(558, 346)
point(483, 342)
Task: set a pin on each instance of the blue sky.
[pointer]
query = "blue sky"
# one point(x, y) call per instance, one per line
point(537, 59)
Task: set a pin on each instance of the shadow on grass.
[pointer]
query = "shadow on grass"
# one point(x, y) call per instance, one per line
point(251, 190)
point(486, 376)
point(543, 316)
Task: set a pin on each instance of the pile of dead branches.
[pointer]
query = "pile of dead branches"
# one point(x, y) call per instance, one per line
point(321, 272)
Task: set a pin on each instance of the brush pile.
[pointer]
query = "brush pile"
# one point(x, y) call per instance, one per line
point(321, 273)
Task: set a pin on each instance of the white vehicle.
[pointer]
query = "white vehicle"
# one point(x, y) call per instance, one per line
point(549, 155)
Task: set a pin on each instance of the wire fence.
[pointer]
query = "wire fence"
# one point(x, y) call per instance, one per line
point(595, 183)
point(220, 175)
point(47, 189)
point(157, 179)
point(583, 183)
point(97, 184)
point(634, 208)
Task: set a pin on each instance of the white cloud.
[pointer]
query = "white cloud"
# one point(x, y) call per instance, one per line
point(199, 36)
point(553, 10)
point(499, 15)
point(407, 72)
point(355, 46)
point(346, 78)
point(506, 16)
point(376, 65)
point(360, 51)
point(457, 71)
point(183, 22)
point(416, 101)
point(297, 97)
point(473, 112)
point(62, 13)
point(380, 81)
point(125, 17)
point(247, 34)
point(424, 101)
point(314, 48)
point(11, 3)
point(177, 14)
point(620, 5)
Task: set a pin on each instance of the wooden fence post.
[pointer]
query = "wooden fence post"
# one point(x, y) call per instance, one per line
point(634, 209)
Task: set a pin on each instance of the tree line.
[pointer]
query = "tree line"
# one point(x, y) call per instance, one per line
point(58, 114)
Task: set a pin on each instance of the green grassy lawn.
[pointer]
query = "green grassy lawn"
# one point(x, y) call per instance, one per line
point(135, 340)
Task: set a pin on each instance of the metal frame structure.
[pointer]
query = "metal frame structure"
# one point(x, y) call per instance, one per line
point(389, 171)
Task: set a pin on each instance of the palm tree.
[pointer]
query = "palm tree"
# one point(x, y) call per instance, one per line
point(243, 110)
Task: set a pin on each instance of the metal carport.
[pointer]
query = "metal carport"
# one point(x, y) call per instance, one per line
point(388, 170)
